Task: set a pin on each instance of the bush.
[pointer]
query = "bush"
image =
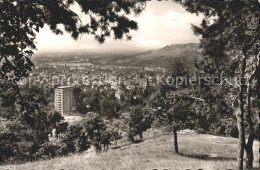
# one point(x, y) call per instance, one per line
point(74, 140)
point(139, 121)
point(200, 131)
point(97, 131)
point(231, 131)
point(226, 127)
point(47, 150)
point(82, 143)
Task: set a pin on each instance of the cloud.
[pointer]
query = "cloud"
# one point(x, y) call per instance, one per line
point(168, 27)
point(148, 43)
point(161, 23)
point(178, 19)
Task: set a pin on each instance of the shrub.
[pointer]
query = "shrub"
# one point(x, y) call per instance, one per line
point(47, 150)
point(98, 131)
point(74, 140)
point(139, 121)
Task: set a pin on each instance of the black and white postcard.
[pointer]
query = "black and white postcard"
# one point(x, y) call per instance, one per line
point(129, 84)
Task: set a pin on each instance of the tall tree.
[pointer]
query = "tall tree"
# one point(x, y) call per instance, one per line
point(97, 131)
point(175, 107)
point(180, 115)
point(139, 120)
point(230, 43)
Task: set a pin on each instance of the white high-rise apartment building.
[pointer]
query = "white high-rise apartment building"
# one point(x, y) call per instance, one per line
point(64, 100)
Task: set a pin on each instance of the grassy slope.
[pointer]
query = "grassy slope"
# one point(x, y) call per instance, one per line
point(197, 151)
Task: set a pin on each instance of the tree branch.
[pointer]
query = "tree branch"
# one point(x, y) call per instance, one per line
point(196, 98)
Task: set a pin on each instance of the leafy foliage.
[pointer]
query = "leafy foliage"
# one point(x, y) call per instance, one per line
point(139, 120)
point(74, 140)
point(97, 131)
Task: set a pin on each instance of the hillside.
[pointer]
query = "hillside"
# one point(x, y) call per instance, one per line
point(156, 58)
point(197, 151)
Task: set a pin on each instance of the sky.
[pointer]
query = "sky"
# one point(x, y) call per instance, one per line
point(161, 23)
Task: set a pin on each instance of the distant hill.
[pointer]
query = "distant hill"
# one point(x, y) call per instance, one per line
point(156, 58)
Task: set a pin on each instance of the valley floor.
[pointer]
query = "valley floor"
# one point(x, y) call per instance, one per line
point(196, 151)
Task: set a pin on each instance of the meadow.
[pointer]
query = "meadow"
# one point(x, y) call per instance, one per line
point(197, 151)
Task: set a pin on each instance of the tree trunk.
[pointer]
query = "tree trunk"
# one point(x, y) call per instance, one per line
point(249, 145)
point(241, 143)
point(250, 141)
point(249, 153)
point(175, 140)
point(240, 116)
